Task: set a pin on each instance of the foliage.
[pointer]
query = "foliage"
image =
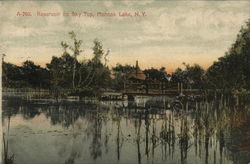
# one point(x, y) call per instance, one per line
point(123, 68)
point(61, 70)
point(232, 71)
point(36, 76)
point(120, 73)
point(155, 74)
point(12, 75)
point(28, 75)
point(191, 76)
point(67, 72)
point(99, 72)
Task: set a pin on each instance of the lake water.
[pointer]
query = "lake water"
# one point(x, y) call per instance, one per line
point(145, 131)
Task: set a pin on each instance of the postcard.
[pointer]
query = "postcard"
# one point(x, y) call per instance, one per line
point(125, 82)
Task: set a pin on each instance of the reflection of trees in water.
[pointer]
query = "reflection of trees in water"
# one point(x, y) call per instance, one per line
point(205, 128)
point(96, 145)
point(216, 119)
point(138, 123)
point(183, 138)
point(70, 161)
point(147, 124)
point(167, 135)
point(7, 158)
point(68, 114)
point(65, 113)
point(119, 140)
point(96, 119)
point(13, 106)
point(209, 119)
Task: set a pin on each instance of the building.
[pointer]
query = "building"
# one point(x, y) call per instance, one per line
point(136, 81)
point(137, 75)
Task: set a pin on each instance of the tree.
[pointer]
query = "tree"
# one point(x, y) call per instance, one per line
point(97, 51)
point(155, 74)
point(191, 77)
point(120, 73)
point(195, 76)
point(100, 73)
point(34, 75)
point(76, 52)
point(232, 71)
point(61, 70)
point(12, 76)
point(179, 76)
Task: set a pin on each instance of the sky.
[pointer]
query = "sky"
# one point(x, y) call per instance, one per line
point(171, 32)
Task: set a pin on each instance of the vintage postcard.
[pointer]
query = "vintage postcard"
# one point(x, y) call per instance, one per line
point(125, 82)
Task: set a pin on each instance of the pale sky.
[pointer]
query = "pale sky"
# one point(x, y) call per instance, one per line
point(173, 32)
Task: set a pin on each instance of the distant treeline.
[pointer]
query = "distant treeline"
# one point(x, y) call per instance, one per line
point(230, 72)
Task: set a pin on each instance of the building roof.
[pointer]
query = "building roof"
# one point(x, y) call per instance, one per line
point(137, 73)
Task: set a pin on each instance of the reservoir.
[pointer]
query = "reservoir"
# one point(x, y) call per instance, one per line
point(144, 131)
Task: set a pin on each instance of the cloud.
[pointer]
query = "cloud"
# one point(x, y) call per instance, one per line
point(10, 9)
point(85, 23)
point(108, 4)
point(54, 8)
point(11, 30)
point(137, 2)
point(172, 32)
point(19, 26)
point(207, 23)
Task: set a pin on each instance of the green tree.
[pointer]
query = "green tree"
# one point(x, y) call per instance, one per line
point(12, 76)
point(61, 70)
point(193, 76)
point(100, 73)
point(76, 50)
point(120, 73)
point(156, 74)
point(37, 76)
point(232, 71)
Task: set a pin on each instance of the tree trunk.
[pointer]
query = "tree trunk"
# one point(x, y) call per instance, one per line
point(74, 74)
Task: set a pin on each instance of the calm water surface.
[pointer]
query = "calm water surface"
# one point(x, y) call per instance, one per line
point(144, 131)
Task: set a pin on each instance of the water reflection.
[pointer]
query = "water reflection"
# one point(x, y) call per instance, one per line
point(7, 158)
point(147, 130)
